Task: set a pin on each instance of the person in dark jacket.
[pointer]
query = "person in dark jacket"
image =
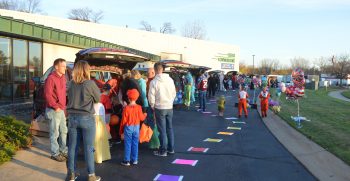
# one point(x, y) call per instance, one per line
point(129, 83)
point(211, 86)
point(83, 93)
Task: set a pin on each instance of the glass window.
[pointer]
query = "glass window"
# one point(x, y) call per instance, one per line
point(5, 71)
point(20, 69)
point(35, 63)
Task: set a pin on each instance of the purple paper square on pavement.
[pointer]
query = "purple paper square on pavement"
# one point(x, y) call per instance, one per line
point(161, 177)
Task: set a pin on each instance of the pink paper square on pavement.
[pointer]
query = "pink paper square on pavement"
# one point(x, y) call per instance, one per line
point(185, 162)
point(194, 149)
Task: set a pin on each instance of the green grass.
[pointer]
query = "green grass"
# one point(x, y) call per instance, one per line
point(346, 94)
point(14, 135)
point(330, 120)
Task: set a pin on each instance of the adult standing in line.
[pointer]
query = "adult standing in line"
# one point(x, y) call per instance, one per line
point(221, 77)
point(150, 116)
point(142, 88)
point(128, 84)
point(211, 86)
point(55, 95)
point(202, 88)
point(82, 94)
point(161, 96)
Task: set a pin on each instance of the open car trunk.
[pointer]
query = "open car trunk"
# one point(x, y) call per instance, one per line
point(99, 57)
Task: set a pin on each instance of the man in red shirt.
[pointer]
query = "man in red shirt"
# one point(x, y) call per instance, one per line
point(55, 95)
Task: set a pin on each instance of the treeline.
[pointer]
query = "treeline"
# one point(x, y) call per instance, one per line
point(338, 66)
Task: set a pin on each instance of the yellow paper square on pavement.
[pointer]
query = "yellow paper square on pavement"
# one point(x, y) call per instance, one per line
point(226, 133)
point(213, 140)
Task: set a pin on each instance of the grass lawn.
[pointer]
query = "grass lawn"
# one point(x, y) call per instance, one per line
point(346, 94)
point(330, 120)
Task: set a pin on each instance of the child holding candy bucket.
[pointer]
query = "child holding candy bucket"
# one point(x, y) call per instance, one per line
point(264, 101)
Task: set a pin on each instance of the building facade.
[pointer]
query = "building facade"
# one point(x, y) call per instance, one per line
point(29, 44)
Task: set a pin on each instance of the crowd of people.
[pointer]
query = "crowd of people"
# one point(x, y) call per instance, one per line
point(114, 110)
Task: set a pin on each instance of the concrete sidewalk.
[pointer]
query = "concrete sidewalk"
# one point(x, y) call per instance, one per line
point(321, 163)
point(338, 95)
point(34, 163)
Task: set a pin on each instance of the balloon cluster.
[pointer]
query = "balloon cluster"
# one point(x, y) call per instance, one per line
point(263, 82)
point(256, 81)
point(281, 88)
point(241, 79)
point(297, 89)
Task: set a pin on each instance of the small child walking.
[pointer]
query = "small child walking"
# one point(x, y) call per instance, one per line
point(107, 103)
point(130, 128)
point(264, 101)
point(221, 105)
point(242, 104)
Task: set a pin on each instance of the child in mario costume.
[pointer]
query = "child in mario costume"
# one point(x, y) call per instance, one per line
point(264, 101)
point(130, 127)
point(242, 102)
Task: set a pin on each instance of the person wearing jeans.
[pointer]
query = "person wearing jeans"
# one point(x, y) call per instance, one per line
point(131, 141)
point(202, 88)
point(161, 96)
point(87, 125)
point(130, 128)
point(58, 128)
point(202, 100)
point(82, 95)
point(164, 119)
point(55, 96)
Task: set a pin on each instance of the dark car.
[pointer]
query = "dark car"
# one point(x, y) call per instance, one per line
point(103, 61)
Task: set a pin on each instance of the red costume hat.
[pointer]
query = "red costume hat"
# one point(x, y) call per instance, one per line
point(133, 94)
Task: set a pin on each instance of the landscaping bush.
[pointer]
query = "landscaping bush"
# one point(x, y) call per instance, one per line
point(14, 135)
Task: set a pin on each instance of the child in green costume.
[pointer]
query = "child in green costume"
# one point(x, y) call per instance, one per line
point(221, 105)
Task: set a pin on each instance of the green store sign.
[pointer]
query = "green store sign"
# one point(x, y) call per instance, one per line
point(230, 57)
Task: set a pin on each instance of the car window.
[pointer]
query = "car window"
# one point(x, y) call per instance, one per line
point(68, 74)
point(47, 73)
point(106, 76)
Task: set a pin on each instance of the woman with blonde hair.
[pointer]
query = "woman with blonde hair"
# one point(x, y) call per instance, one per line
point(82, 94)
point(142, 85)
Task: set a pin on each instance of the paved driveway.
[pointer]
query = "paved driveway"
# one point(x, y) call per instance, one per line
point(252, 153)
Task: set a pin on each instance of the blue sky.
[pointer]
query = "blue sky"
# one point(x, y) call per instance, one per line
point(277, 29)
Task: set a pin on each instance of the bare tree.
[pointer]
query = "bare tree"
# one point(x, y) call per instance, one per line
point(268, 66)
point(8, 4)
point(32, 6)
point(85, 14)
point(341, 66)
point(146, 26)
point(195, 30)
point(167, 28)
point(28, 6)
point(299, 62)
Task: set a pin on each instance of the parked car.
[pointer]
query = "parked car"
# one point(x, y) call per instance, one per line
point(103, 62)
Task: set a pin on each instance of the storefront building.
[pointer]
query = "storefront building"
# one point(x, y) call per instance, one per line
point(29, 44)
point(27, 50)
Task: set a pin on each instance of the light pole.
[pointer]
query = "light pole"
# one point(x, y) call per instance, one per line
point(253, 64)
